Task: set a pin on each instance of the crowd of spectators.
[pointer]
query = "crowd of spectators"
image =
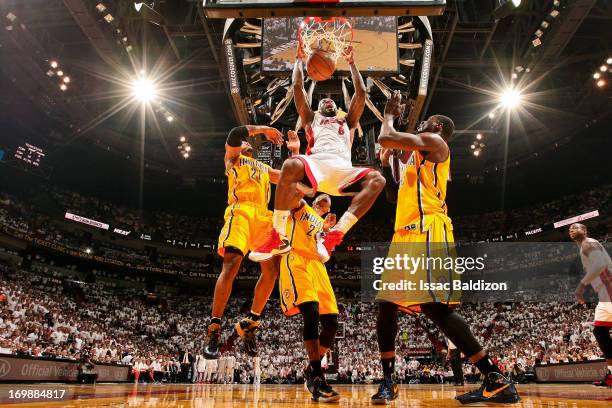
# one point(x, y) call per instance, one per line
point(44, 314)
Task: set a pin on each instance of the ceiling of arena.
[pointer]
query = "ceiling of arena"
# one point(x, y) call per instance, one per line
point(474, 58)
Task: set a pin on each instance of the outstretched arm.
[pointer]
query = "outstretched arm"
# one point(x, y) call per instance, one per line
point(391, 186)
point(302, 104)
point(233, 145)
point(392, 139)
point(358, 101)
point(293, 144)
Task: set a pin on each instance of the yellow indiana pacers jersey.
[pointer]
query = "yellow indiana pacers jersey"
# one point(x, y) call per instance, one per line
point(422, 192)
point(248, 181)
point(302, 228)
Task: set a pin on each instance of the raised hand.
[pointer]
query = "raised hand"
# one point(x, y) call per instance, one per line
point(293, 142)
point(348, 54)
point(394, 105)
point(274, 135)
point(329, 222)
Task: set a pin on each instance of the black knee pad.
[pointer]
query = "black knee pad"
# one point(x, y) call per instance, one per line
point(602, 335)
point(453, 326)
point(329, 326)
point(386, 326)
point(310, 314)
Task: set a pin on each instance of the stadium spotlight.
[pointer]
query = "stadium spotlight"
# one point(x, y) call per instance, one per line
point(510, 98)
point(143, 89)
point(516, 3)
point(60, 73)
point(479, 136)
point(472, 147)
point(138, 5)
point(492, 115)
point(514, 75)
point(54, 64)
point(601, 83)
point(603, 68)
point(505, 8)
point(188, 148)
point(186, 155)
point(66, 79)
point(169, 118)
point(182, 139)
point(476, 153)
point(63, 87)
point(88, 250)
point(609, 61)
point(596, 75)
point(109, 18)
point(101, 7)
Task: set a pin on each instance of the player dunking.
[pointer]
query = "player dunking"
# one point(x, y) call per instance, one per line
point(421, 218)
point(325, 167)
point(247, 220)
point(305, 289)
point(598, 267)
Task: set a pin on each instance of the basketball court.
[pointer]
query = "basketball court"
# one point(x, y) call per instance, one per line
point(279, 396)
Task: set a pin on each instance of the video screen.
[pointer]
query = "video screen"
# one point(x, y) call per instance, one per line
point(374, 44)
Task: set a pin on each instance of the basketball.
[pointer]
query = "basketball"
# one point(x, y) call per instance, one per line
point(320, 65)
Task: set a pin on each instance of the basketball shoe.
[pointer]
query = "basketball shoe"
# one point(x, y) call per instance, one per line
point(495, 388)
point(275, 244)
point(319, 389)
point(388, 390)
point(211, 350)
point(246, 329)
point(331, 239)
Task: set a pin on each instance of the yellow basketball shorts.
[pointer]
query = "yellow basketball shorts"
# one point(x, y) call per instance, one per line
point(304, 280)
point(246, 227)
point(432, 249)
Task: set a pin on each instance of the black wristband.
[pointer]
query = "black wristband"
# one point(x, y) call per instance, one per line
point(237, 135)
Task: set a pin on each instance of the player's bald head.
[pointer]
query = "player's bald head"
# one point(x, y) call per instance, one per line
point(577, 231)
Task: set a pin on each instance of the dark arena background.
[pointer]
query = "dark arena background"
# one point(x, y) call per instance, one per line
point(115, 169)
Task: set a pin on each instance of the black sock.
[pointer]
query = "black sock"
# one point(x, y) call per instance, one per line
point(486, 366)
point(388, 365)
point(216, 320)
point(254, 317)
point(315, 365)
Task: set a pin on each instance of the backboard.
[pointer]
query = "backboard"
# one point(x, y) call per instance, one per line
point(322, 8)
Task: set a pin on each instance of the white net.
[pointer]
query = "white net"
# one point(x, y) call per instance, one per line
point(334, 35)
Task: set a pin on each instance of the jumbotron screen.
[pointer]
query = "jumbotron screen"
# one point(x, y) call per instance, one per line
point(374, 44)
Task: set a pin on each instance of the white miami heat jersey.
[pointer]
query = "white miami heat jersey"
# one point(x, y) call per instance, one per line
point(602, 284)
point(329, 135)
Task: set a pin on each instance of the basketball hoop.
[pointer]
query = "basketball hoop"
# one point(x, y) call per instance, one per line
point(333, 35)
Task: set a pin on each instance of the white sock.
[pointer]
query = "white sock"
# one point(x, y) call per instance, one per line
point(280, 221)
point(346, 222)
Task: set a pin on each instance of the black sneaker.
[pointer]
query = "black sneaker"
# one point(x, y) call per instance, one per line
point(322, 391)
point(246, 329)
point(495, 388)
point(211, 350)
point(388, 390)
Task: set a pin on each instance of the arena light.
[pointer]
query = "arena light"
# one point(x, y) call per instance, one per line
point(182, 139)
point(603, 68)
point(510, 98)
point(536, 43)
point(596, 75)
point(101, 7)
point(609, 61)
point(109, 18)
point(514, 75)
point(554, 13)
point(88, 250)
point(601, 83)
point(60, 73)
point(138, 5)
point(476, 153)
point(63, 87)
point(188, 148)
point(53, 64)
point(492, 115)
point(169, 118)
point(479, 136)
point(143, 89)
point(472, 147)
point(66, 79)
point(186, 155)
